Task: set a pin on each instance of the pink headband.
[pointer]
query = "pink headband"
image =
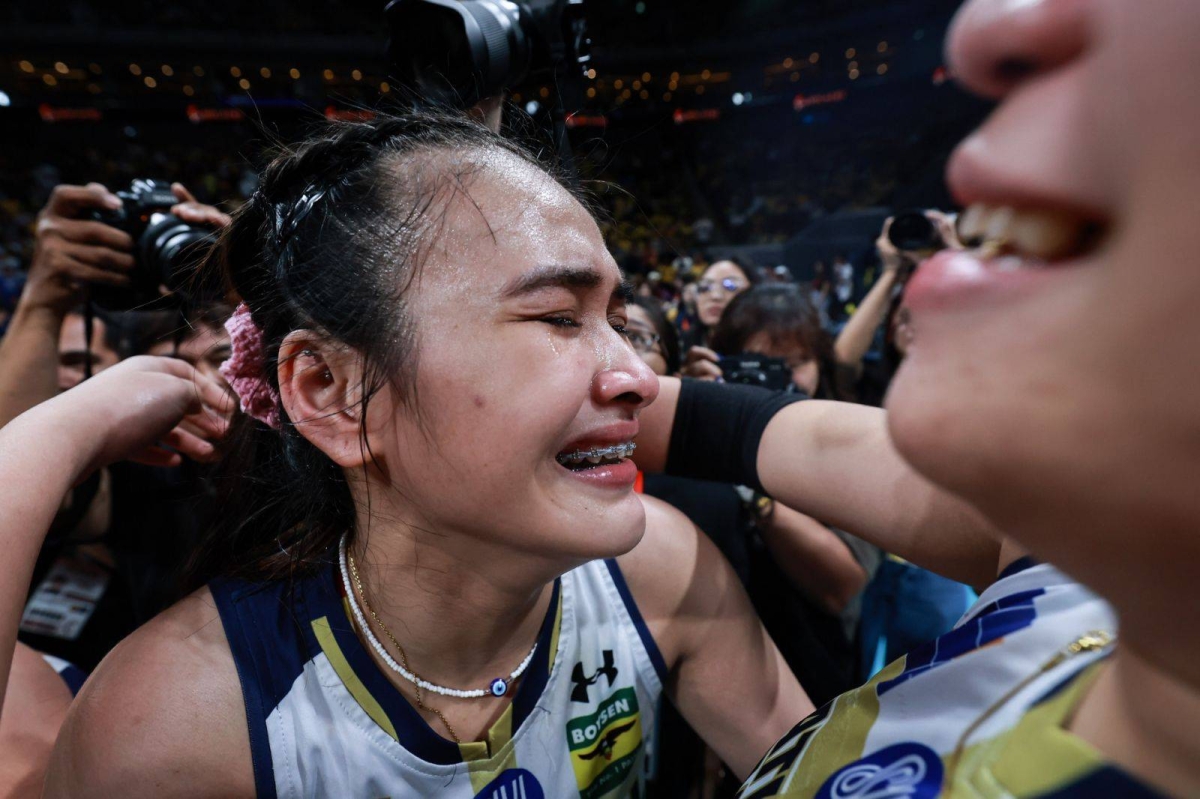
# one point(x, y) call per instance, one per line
point(244, 369)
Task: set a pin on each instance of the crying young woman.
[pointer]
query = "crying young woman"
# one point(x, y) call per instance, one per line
point(433, 575)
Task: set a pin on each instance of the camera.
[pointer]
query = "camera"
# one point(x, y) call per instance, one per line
point(914, 231)
point(458, 52)
point(166, 249)
point(752, 369)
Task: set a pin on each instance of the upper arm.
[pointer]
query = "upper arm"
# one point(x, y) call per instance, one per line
point(727, 677)
point(36, 700)
point(162, 713)
point(836, 462)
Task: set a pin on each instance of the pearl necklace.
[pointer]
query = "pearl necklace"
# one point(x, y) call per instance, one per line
point(497, 687)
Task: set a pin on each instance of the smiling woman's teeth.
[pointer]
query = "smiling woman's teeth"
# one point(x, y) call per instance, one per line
point(1046, 235)
point(597, 455)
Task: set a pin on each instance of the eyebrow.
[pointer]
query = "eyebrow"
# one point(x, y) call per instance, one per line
point(568, 277)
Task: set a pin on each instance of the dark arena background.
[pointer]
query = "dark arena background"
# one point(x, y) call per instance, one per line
point(784, 131)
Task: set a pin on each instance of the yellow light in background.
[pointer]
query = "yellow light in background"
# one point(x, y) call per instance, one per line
point(61, 68)
point(95, 68)
point(189, 91)
point(850, 52)
point(245, 84)
point(787, 63)
point(667, 97)
point(356, 74)
point(854, 74)
point(385, 87)
point(699, 90)
point(705, 75)
point(645, 77)
point(543, 92)
point(881, 69)
point(591, 92)
point(167, 70)
point(618, 83)
point(814, 58)
point(198, 71)
point(94, 88)
point(235, 71)
point(795, 76)
point(328, 74)
point(637, 84)
point(295, 73)
point(149, 81)
point(591, 73)
point(49, 79)
point(882, 48)
point(135, 69)
point(265, 72)
point(26, 66)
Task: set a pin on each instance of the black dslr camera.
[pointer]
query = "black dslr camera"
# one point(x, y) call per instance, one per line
point(914, 231)
point(166, 249)
point(457, 52)
point(752, 369)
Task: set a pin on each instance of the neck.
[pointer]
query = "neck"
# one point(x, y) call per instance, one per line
point(1145, 718)
point(464, 611)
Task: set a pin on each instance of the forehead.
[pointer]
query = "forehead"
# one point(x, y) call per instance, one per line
point(723, 269)
point(638, 317)
point(71, 334)
point(504, 216)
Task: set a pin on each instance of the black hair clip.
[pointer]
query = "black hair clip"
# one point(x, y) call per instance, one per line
point(289, 219)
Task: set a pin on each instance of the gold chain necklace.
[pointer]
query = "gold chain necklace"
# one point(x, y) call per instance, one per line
point(403, 656)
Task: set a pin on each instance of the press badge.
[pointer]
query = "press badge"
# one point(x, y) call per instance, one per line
point(65, 600)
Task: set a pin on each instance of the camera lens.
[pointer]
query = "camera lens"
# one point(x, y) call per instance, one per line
point(172, 249)
point(912, 230)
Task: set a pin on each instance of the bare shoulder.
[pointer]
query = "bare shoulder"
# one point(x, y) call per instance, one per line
point(677, 577)
point(163, 712)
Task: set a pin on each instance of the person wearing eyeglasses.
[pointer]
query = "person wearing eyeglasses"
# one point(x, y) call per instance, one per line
point(717, 287)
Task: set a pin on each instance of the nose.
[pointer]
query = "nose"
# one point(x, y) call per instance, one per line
point(995, 45)
point(627, 381)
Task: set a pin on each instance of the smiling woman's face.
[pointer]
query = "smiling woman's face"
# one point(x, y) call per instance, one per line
point(1060, 394)
point(522, 361)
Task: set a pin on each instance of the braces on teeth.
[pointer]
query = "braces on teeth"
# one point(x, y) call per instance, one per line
point(595, 455)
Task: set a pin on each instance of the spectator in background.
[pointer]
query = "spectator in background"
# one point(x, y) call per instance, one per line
point(718, 285)
point(652, 336)
point(196, 335)
point(75, 356)
point(843, 286)
point(904, 606)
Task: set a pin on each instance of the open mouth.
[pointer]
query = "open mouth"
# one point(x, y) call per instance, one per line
point(583, 459)
point(1035, 237)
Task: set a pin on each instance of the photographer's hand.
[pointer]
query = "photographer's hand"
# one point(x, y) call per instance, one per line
point(192, 210)
point(133, 410)
point(702, 364)
point(71, 252)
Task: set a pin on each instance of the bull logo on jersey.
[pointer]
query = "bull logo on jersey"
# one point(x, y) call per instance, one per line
point(582, 682)
point(900, 771)
point(605, 745)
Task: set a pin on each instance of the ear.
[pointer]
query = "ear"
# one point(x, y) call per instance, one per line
point(320, 386)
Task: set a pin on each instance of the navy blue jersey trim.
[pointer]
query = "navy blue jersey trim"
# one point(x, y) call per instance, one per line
point(660, 665)
point(538, 674)
point(1107, 781)
point(1017, 566)
point(227, 594)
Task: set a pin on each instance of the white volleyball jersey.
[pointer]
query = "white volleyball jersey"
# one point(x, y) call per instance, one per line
point(981, 711)
point(325, 722)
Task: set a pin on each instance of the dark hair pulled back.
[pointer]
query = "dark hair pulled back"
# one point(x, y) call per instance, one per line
point(330, 242)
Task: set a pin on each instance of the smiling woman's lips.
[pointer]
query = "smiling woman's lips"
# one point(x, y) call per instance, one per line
point(958, 280)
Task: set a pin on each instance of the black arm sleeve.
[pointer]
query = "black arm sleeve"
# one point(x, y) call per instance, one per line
point(717, 430)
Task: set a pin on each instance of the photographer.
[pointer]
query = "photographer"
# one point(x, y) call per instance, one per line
point(108, 540)
point(867, 381)
point(717, 287)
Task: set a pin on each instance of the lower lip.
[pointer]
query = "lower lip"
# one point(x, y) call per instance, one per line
point(621, 475)
point(955, 280)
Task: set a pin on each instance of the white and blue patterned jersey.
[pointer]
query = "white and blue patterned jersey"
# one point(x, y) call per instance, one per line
point(325, 721)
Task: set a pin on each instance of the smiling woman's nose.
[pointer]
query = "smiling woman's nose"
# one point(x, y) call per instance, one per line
point(995, 45)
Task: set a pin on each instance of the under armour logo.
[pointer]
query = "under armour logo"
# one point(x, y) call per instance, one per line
point(580, 692)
